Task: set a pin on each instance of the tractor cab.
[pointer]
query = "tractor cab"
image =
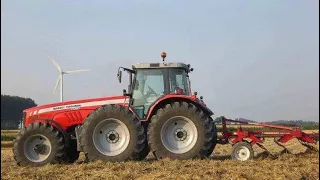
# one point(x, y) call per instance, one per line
point(151, 81)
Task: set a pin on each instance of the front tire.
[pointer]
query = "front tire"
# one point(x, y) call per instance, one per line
point(38, 144)
point(180, 131)
point(113, 133)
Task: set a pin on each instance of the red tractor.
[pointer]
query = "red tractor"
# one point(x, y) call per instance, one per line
point(157, 112)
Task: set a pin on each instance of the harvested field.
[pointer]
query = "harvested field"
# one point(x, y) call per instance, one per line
point(6, 144)
point(300, 165)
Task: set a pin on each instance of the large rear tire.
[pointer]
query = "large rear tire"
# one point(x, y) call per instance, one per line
point(113, 133)
point(38, 144)
point(215, 137)
point(180, 131)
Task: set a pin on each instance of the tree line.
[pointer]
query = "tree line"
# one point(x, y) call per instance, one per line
point(11, 110)
point(311, 125)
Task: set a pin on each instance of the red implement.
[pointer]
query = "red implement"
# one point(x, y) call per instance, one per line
point(241, 148)
point(284, 133)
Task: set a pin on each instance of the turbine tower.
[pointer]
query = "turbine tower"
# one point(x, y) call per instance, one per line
point(60, 78)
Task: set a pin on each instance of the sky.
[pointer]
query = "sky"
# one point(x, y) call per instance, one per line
point(252, 59)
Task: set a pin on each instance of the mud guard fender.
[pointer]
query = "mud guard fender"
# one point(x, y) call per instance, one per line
point(204, 108)
point(171, 98)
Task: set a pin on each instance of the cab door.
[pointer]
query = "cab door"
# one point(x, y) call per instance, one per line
point(149, 86)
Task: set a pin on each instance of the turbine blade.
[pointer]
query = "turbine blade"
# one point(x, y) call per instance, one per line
point(75, 71)
point(57, 83)
point(55, 63)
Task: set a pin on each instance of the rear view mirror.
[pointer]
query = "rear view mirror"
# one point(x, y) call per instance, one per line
point(119, 75)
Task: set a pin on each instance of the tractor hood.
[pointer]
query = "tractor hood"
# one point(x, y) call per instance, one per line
point(77, 104)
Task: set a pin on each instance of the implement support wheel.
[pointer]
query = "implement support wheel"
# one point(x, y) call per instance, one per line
point(242, 151)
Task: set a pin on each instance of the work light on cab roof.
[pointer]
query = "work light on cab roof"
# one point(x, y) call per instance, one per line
point(163, 55)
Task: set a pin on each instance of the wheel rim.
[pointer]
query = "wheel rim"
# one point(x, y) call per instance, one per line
point(242, 153)
point(111, 137)
point(179, 134)
point(37, 148)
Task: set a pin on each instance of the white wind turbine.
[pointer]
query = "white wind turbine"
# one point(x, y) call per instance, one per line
point(60, 78)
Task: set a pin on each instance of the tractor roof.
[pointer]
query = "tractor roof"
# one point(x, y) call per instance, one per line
point(159, 65)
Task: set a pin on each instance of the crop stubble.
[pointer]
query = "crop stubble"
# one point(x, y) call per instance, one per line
point(300, 165)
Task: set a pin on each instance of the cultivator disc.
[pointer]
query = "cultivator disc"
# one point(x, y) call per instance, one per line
point(309, 146)
point(285, 150)
point(306, 142)
point(265, 149)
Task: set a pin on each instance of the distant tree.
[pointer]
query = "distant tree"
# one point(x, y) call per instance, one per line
point(11, 110)
point(295, 123)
